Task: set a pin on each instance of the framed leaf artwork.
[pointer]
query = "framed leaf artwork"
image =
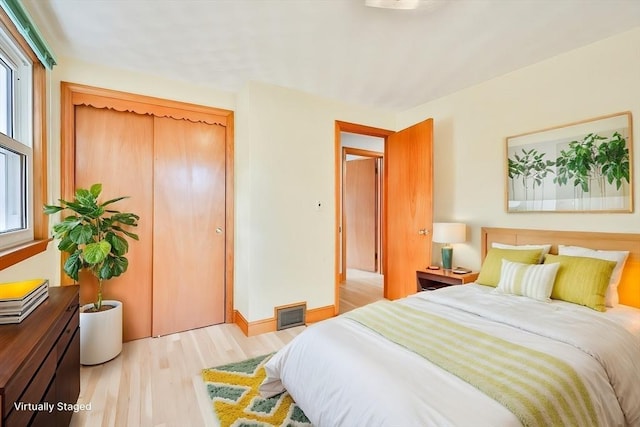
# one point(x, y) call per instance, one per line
point(581, 167)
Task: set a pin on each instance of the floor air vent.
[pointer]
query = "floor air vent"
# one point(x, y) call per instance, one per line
point(290, 316)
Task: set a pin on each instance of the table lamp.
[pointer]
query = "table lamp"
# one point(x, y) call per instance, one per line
point(447, 233)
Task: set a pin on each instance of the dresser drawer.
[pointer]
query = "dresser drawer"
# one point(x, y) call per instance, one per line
point(67, 333)
point(34, 393)
point(46, 418)
point(33, 370)
point(23, 378)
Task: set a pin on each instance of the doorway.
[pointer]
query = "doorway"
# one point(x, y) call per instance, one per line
point(407, 206)
point(362, 280)
point(361, 190)
point(360, 275)
point(361, 207)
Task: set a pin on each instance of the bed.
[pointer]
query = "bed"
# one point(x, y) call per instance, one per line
point(477, 354)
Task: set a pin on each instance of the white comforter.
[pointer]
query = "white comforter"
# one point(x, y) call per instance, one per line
point(343, 374)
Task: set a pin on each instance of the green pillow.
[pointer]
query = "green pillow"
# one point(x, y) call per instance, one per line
point(581, 280)
point(490, 271)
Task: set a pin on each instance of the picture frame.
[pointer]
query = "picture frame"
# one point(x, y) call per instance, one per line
point(585, 166)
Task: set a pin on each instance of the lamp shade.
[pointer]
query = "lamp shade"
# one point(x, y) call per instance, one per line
point(449, 232)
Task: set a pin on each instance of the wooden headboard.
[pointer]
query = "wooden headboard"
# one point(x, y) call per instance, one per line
point(629, 288)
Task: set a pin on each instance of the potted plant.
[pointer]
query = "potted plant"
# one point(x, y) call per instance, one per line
point(94, 236)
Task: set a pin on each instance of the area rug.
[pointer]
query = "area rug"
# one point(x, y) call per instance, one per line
point(233, 390)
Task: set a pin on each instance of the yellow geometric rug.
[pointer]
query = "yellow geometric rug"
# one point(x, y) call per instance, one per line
point(233, 390)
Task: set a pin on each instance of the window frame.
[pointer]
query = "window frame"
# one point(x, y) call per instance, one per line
point(7, 67)
point(20, 132)
point(38, 183)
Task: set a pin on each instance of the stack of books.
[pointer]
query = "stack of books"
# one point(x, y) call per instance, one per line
point(19, 299)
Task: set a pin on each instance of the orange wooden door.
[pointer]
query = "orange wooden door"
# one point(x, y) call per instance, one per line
point(115, 148)
point(361, 213)
point(189, 219)
point(408, 207)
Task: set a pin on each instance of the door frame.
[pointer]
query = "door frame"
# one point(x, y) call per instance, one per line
point(340, 127)
point(378, 214)
point(72, 94)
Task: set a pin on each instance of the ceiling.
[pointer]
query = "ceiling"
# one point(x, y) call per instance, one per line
point(339, 49)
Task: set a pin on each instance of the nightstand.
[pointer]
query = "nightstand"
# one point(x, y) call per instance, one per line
point(429, 280)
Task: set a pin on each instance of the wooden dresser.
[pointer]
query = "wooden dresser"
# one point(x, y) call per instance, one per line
point(40, 363)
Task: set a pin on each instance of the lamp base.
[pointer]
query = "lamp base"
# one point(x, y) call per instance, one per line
point(447, 256)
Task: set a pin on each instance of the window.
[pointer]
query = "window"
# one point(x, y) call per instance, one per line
point(24, 60)
point(16, 141)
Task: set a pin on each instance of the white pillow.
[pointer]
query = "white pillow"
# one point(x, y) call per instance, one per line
point(620, 257)
point(529, 280)
point(545, 248)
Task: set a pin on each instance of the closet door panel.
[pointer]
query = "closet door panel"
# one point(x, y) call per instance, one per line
point(116, 149)
point(189, 219)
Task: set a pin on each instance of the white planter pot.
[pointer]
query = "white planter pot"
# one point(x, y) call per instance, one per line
point(100, 334)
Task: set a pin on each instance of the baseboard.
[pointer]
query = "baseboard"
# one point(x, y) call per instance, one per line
point(242, 323)
point(321, 313)
point(270, 325)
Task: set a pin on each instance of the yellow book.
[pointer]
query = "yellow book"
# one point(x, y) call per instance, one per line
point(19, 290)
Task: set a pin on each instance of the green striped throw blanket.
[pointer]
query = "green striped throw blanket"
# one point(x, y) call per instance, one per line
point(541, 390)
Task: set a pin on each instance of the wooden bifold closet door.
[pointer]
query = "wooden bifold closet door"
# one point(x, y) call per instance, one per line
point(174, 169)
point(189, 208)
point(116, 149)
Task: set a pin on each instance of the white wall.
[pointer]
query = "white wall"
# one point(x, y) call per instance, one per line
point(284, 164)
point(363, 142)
point(45, 265)
point(470, 128)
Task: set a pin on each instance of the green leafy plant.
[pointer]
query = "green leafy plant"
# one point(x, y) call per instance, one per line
point(514, 172)
point(594, 158)
point(532, 168)
point(93, 236)
point(614, 160)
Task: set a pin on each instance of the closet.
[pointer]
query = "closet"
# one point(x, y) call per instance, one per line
point(174, 161)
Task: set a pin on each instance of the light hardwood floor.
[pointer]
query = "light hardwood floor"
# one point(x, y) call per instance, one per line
point(156, 382)
point(360, 288)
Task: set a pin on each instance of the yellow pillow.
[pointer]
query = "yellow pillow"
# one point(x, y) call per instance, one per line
point(492, 264)
point(581, 280)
